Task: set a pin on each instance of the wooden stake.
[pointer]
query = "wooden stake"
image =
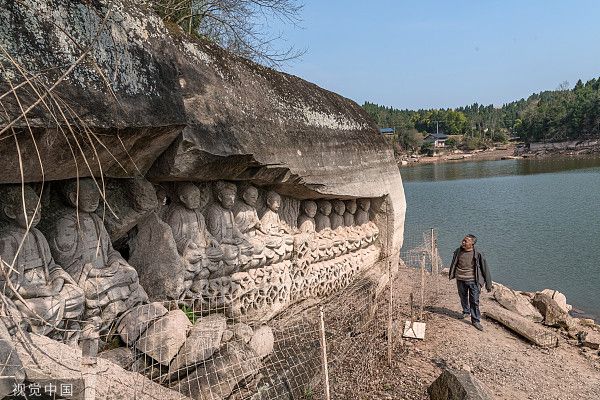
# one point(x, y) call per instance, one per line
point(422, 287)
point(390, 316)
point(324, 348)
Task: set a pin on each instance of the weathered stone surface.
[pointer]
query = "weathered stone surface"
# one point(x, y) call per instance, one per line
point(203, 340)
point(125, 90)
point(163, 339)
point(560, 299)
point(591, 339)
point(242, 332)
point(121, 356)
point(516, 302)
point(46, 359)
point(136, 321)
point(11, 369)
point(553, 314)
point(216, 380)
point(458, 385)
point(522, 326)
point(262, 341)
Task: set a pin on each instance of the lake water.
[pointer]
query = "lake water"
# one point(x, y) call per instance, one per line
point(537, 221)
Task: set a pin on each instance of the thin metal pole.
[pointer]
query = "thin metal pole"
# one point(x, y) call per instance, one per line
point(432, 252)
point(390, 315)
point(324, 348)
point(422, 286)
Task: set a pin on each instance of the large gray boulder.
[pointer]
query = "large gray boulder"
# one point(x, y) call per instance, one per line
point(163, 338)
point(124, 89)
point(553, 314)
point(458, 385)
point(516, 302)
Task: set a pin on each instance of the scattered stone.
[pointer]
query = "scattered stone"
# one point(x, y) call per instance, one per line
point(560, 299)
point(242, 332)
point(202, 342)
point(135, 322)
point(216, 380)
point(522, 326)
point(553, 314)
point(587, 322)
point(163, 339)
point(445, 271)
point(227, 336)
point(124, 357)
point(458, 385)
point(263, 341)
point(11, 369)
point(591, 339)
point(513, 301)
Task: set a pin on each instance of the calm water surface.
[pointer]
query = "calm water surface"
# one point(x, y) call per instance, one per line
point(537, 221)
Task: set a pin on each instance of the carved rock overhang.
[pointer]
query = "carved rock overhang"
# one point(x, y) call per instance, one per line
point(147, 100)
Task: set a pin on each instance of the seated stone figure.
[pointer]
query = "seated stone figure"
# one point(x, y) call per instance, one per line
point(80, 243)
point(322, 220)
point(270, 221)
point(350, 211)
point(306, 220)
point(41, 290)
point(337, 216)
point(200, 250)
point(362, 214)
point(238, 251)
point(270, 244)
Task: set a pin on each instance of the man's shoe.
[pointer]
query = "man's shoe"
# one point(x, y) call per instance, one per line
point(478, 326)
point(463, 315)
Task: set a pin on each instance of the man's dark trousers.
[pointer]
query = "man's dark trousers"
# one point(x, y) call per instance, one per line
point(469, 298)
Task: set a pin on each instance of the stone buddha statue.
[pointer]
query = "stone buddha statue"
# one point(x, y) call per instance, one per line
point(362, 214)
point(201, 252)
point(80, 243)
point(270, 221)
point(350, 211)
point(322, 220)
point(42, 291)
point(337, 216)
point(221, 224)
point(306, 220)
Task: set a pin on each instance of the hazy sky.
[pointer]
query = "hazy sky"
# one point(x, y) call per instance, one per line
point(424, 53)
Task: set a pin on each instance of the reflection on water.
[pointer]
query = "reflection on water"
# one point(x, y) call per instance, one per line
point(537, 220)
point(483, 169)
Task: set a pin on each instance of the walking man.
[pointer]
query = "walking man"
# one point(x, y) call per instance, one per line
point(471, 272)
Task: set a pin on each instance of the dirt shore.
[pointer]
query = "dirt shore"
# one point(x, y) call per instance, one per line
point(510, 367)
point(486, 155)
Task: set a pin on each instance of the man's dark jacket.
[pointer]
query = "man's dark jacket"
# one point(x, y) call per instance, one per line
point(482, 273)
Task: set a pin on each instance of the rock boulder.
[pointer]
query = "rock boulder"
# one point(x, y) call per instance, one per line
point(516, 302)
point(458, 385)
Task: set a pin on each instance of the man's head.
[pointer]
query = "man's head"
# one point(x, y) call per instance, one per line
point(310, 208)
point(13, 208)
point(351, 206)
point(339, 207)
point(190, 195)
point(226, 193)
point(250, 196)
point(273, 200)
point(468, 242)
point(324, 207)
point(83, 194)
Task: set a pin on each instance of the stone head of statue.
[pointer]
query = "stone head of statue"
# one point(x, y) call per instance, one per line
point(364, 204)
point(82, 194)
point(324, 207)
point(143, 195)
point(226, 193)
point(310, 208)
point(191, 196)
point(339, 207)
point(273, 200)
point(13, 206)
point(250, 196)
point(351, 206)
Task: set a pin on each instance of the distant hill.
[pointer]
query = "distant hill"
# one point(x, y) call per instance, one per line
point(556, 115)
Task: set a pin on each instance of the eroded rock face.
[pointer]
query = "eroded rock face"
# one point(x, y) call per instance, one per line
point(553, 314)
point(516, 302)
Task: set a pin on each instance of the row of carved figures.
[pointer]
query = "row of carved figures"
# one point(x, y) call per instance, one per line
point(76, 275)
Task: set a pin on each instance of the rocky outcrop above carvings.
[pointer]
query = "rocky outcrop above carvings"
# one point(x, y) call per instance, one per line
point(104, 69)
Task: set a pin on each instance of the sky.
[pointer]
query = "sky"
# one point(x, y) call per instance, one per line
point(445, 53)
